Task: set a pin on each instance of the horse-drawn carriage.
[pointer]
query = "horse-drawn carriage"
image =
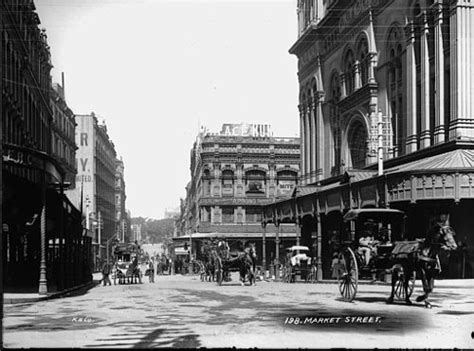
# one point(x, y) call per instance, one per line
point(298, 263)
point(218, 261)
point(126, 268)
point(375, 243)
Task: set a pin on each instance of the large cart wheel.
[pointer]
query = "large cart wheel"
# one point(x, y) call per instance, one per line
point(399, 290)
point(349, 275)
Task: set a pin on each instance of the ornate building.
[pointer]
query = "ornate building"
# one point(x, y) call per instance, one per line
point(63, 143)
point(44, 248)
point(386, 117)
point(95, 182)
point(121, 215)
point(233, 174)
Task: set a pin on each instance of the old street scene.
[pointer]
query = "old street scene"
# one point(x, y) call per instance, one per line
point(182, 174)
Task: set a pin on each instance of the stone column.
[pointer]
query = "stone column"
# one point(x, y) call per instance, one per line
point(43, 283)
point(314, 167)
point(439, 131)
point(320, 147)
point(264, 247)
point(411, 90)
point(277, 251)
point(307, 145)
point(425, 135)
point(302, 146)
point(342, 80)
point(319, 262)
point(461, 41)
point(357, 80)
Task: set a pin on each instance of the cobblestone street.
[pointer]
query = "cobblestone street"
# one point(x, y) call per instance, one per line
point(182, 311)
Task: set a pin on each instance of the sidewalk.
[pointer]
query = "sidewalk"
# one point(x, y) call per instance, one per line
point(14, 298)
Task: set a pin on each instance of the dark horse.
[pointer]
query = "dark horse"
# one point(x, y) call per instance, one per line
point(249, 263)
point(245, 262)
point(421, 257)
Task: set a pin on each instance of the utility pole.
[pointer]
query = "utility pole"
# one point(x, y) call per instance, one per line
point(99, 232)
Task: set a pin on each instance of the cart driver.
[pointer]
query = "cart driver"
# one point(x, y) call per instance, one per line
point(367, 243)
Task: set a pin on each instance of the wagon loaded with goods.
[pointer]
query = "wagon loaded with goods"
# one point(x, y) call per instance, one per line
point(126, 268)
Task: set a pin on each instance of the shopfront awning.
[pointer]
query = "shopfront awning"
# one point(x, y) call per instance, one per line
point(452, 160)
point(197, 236)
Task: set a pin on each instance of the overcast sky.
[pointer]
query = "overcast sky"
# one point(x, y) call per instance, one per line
point(156, 69)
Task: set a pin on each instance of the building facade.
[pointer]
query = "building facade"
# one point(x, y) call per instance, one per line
point(44, 248)
point(386, 117)
point(234, 173)
point(95, 181)
point(121, 215)
point(63, 142)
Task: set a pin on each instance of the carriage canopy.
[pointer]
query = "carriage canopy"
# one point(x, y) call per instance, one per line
point(383, 223)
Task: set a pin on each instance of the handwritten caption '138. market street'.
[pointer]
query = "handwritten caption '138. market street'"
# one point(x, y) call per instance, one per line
point(333, 320)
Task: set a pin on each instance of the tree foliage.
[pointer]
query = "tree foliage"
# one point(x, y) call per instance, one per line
point(155, 230)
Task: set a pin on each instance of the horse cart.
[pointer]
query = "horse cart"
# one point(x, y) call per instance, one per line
point(365, 250)
point(298, 263)
point(226, 261)
point(126, 268)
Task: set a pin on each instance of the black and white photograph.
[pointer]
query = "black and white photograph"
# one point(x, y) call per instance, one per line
point(237, 174)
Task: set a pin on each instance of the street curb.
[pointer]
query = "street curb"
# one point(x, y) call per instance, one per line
point(12, 301)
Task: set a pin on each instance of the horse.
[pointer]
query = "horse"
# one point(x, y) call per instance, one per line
point(249, 262)
point(245, 262)
point(421, 257)
point(210, 267)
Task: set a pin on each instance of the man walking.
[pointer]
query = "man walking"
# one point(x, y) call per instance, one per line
point(106, 269)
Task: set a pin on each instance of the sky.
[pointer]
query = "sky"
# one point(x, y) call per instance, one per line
point(156, 70)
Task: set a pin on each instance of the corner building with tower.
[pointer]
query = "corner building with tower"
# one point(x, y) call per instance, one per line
point(234, 173)
point(389, 81)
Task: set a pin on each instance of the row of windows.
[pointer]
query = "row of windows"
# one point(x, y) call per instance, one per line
point(229, 214)
point(343, 84)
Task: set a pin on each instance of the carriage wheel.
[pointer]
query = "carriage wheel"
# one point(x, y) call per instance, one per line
point(349, 276)
point(399, 290)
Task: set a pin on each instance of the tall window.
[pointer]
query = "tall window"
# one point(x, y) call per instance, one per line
point(363, 57)
point(286, 181)
point(395, 89)
point(349, 71)
point(335, 96)
point(255, 182)
point(206, 183)
point(357, 140)
point(227, 214)
point(227, 183)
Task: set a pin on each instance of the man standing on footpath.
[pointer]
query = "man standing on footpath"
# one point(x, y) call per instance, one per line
point(106, 269)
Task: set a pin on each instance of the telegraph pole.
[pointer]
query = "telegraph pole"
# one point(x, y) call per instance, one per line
point(99, 232)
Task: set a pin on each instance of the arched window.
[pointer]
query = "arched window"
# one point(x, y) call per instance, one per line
point(349, 71)
point(395, 94)
point(363, 57)
point(335, 96)
point(206, 183)
point(227, 183)
point(357, 141)
point(255, 182)
point(286, 181)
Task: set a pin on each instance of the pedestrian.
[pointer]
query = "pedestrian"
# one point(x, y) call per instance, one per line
point(151, 268)
point(106, 270)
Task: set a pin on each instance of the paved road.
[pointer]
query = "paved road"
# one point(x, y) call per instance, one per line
point(181, 311)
